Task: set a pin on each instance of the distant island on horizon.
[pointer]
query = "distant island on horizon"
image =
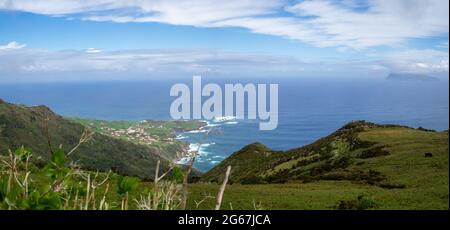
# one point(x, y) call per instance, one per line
point(410, 77)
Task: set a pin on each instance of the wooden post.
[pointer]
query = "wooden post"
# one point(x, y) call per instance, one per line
point(222, 189)
point(155, 184)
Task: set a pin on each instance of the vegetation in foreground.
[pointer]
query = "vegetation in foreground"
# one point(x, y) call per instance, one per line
point(62, 185)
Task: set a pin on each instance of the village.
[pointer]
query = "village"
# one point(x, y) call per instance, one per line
point(148, 132)
point(138, 133)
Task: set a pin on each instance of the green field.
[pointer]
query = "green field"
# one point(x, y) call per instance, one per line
point(426, 179)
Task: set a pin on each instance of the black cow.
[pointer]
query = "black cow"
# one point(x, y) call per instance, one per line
point(428, 155)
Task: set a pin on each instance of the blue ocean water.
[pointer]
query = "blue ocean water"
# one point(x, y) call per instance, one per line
point(308, 108)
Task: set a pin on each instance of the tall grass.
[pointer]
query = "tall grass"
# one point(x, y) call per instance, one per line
point(63, 185)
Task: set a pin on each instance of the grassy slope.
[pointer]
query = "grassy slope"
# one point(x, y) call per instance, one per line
point(20, 125)
point(426, 179)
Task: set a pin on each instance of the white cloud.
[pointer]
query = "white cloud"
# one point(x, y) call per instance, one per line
point(351, 23)
point(12, 46)
point(131, 64)
point(377, 67)
point(93, 50)
point(426, 61)
point(142, 62)
point(382, 22)
point(443, 45)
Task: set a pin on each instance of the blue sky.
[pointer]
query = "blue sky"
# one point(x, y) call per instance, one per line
point(277, 37)
point(57, 33)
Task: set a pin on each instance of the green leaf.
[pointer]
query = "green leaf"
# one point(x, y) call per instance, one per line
point(3, 187)
point(59, 158)
point(38, 201)
point(126, 184)
point(177, 175)
point(56, 168)
point(23, 153)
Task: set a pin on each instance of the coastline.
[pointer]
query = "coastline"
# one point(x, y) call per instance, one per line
point(193, 137)
point(192, 146)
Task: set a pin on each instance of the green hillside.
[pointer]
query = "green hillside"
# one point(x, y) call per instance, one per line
point(363, 153)
point(360, 166)
point(27, 126)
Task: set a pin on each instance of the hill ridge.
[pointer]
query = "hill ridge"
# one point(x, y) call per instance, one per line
point(338, 156)
point(25, 126)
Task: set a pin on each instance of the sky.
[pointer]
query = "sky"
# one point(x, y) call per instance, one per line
point(80, 40)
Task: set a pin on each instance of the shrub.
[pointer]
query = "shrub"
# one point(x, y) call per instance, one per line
point(279, 178)
point(362, 202)
point(391, 185)
point(371, 177)
point(252, 180)
point(374, 152)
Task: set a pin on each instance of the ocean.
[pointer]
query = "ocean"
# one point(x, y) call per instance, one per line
point(309, 108)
